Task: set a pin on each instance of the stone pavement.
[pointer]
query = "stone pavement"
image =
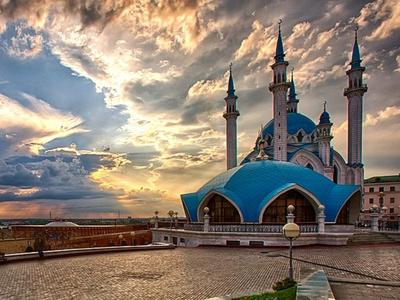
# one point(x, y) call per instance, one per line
point(196, 273)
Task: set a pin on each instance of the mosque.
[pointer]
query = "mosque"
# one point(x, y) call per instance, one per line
point(292, 163)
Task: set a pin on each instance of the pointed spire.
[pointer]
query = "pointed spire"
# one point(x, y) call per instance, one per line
point(356, 58)
point(292, 91)
point(279, 55)
point(231, 88)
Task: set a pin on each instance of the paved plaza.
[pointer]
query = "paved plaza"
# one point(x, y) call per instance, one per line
point(196, 273)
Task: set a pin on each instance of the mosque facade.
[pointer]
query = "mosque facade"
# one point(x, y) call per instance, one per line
point(292, 163)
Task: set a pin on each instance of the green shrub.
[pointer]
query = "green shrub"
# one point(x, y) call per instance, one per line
point(284, 284)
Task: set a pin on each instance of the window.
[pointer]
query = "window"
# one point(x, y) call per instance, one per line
point(391, 210)
point(300, 137)
point(165, 238)
point(391, 200)
point(276, 211)
point(181, 240)
point(371, 200)
point(392, 189)
point(309, 166)
point(371, 190)
point(381, 189)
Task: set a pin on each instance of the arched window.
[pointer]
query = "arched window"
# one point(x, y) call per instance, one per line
point(335, 174)
point(269, 140)
point(350, 83)
point(276, 211)
point(221, 210)
point(309, 166)
point(300, 137)
point(283, 77)
point(360, 82)
point(355, 83)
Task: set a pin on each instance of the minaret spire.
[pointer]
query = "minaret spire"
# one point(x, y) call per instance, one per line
point(231, 88)
point(231, 113)
point(354, 93)
point(356, 58)
point(279, 53)
point(292, 100)
point(279, 88)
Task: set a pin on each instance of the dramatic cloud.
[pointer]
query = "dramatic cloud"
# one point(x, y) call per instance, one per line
point(28, 126)
point(385, 13)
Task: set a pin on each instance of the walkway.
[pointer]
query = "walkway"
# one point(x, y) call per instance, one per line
point(197, 273)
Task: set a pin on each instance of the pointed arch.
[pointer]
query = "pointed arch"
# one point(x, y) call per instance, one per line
point(341, 166)
point(312, 200)
point(350, 209)
point(304, 157)
point(224, 202)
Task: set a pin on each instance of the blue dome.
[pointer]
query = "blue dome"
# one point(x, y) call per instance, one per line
point(324, 118)
point(295, 121)
point(253, 185)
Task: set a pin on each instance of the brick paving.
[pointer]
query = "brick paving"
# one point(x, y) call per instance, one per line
point(196, 273)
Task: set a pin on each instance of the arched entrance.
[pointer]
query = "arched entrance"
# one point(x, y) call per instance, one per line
point(221, 210)
point(276, 211)
point(350, 211)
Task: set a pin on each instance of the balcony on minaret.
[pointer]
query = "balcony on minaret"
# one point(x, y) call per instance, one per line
point(362, 88)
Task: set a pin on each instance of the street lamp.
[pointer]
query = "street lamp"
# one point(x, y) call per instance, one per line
point(291, 231)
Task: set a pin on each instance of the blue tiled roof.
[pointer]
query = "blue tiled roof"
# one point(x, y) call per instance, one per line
point(252, 185)
point(296, 121)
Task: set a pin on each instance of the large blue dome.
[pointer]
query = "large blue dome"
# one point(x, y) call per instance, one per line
point(296, 121)
point(251, 186)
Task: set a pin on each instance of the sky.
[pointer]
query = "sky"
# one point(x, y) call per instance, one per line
point(116, 106)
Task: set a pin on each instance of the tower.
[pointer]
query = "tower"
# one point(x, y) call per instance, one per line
point(324, 142)
point(231, 113)
point(354, 93)
point(279, 88)
point(292, 100)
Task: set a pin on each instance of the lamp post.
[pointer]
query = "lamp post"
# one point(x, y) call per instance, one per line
point(176, 219)
point(171, 215)
point(133, 234)
point(291, 231)
point(156, 219)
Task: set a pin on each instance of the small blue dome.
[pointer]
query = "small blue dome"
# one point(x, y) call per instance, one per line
point(296, 121)
point(324, 118)
point(253, 185)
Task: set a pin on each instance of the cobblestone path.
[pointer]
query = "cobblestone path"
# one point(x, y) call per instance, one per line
point(196, 273)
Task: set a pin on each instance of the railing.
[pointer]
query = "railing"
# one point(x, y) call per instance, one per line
point(383, 225)
point(264, 228)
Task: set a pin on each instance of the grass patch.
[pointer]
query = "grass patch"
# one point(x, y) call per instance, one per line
point(286, 294)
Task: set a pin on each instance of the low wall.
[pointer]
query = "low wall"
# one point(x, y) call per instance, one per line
point(185, 238)
point(15, 245)
point(339, 228)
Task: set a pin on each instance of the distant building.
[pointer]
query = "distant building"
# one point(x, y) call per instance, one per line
point(61, 234)
point(383, 191)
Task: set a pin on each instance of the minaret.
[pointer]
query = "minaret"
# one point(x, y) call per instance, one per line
point(324, 137)
point(354, 93)
point(279, 88)
point(292, 100)
point(231, 113)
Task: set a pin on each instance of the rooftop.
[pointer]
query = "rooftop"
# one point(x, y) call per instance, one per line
point(383, 179)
